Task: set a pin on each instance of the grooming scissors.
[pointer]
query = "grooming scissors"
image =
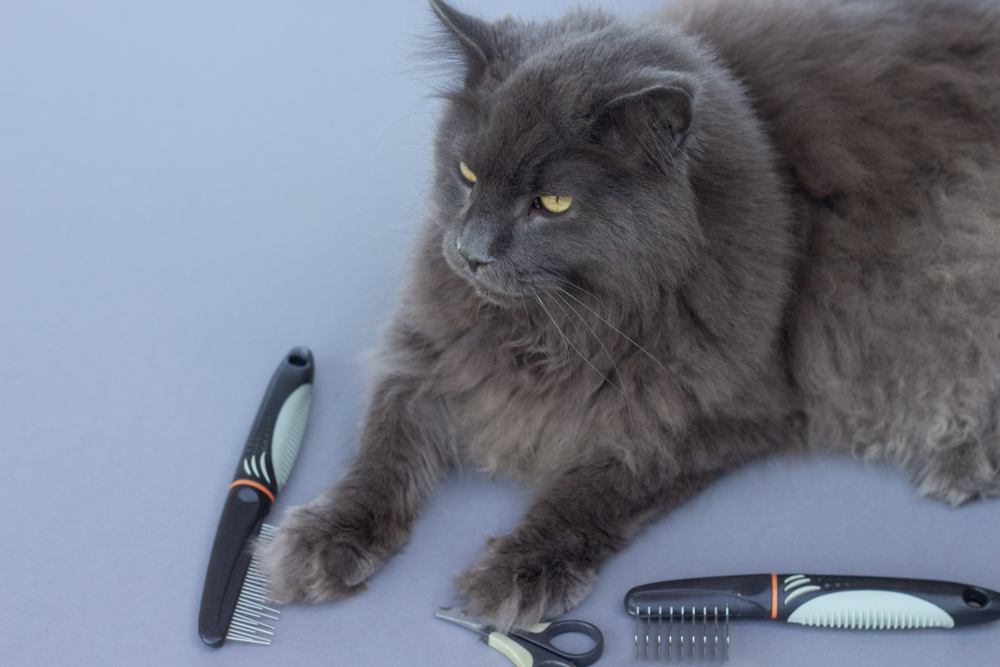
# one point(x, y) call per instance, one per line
point(532, 647)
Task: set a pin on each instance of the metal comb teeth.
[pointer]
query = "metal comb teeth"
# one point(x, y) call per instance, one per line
point(248, 623)
point(677, 634)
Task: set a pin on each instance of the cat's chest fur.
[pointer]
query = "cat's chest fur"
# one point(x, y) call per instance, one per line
point(528, 405)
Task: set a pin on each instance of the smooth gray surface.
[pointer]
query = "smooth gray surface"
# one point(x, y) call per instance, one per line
point(187, 190)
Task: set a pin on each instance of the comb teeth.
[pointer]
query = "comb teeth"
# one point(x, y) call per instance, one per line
point(249, 622)
point(678, 634)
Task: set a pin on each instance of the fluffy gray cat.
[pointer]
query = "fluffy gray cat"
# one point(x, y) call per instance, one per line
point(660, 249)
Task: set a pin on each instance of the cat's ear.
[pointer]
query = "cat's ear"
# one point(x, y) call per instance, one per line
point(653, 120)
point(474, 38)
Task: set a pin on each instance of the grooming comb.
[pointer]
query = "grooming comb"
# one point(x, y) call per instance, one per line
point(233, 600)
point(689, 618)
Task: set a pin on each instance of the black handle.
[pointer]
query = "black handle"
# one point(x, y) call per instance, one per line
point(543, 639)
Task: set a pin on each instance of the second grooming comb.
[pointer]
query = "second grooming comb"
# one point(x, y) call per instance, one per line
point(689, 618)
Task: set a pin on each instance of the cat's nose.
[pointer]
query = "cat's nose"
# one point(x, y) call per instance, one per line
point(475, 262)
point(474, 259)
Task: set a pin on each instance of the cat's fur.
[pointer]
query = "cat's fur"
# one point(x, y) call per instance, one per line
point(785, 234)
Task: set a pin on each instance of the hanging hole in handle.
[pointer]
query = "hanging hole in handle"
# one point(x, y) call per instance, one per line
point(975, 598)
point(297, 360)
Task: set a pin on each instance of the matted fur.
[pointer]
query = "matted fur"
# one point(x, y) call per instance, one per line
point(785, 234)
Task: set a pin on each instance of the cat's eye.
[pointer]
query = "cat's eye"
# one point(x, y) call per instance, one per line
point(466, 172)
point(554, 204)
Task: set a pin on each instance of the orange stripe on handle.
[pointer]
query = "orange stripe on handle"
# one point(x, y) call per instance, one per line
point(258, 485)
point(774, 596)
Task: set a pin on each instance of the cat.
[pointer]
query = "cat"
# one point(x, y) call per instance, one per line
point(659, 249)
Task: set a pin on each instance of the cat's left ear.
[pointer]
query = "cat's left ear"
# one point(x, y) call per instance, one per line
point(473, 36)
point(654, 119)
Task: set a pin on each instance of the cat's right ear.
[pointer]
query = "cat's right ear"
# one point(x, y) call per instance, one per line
point(652, 121)
point(474, 38)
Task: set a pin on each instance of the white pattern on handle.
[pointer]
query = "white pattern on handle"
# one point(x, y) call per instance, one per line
point(883, 610)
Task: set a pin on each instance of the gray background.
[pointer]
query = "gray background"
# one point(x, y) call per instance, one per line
point(190, 188)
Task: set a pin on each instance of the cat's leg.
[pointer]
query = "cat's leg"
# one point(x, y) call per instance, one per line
point(549, 562)
point(328, 548)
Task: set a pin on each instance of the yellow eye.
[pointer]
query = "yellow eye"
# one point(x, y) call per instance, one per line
point(466, 172)
point(555, 204)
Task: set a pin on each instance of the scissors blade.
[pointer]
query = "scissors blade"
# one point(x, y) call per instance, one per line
point(460, 616)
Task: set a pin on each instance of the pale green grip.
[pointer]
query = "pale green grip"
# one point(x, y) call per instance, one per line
point(510, 648)
point(289, 429)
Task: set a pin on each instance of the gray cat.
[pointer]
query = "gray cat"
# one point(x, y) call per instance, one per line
point(660, 249)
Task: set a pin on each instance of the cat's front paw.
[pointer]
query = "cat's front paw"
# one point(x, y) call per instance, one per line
point(514, 585)
point(320, 554)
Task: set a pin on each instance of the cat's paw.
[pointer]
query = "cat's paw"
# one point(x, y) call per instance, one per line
point(962, 473)
point(514, 585)
point(319, 554)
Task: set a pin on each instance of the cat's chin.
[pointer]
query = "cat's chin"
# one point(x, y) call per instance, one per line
point(496, 298)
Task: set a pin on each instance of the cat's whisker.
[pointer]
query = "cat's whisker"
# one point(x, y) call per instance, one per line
point(570, 343)
point(556, 300)
point(426, 213)
point(628, 405)
point(556, 324)
point(639, 347)
point(422, 201)
point(559, 301)
point(378, 144)
point(561, 278)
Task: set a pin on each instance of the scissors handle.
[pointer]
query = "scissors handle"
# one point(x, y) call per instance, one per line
point(542, 634)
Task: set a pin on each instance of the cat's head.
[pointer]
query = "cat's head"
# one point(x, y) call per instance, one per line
point(564, 156)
